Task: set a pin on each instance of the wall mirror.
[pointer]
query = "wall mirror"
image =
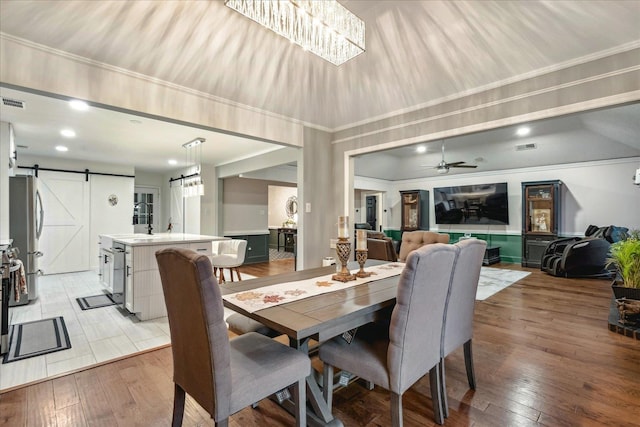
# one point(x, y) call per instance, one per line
point(291, 208)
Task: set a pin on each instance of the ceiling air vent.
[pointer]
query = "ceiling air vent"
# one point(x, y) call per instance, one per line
point(523, 147)
point(13, 103)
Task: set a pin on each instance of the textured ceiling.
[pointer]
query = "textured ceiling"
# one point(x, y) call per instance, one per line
point(416, 52)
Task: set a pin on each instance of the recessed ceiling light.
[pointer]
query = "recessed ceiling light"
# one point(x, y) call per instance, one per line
point(76, 104)
point(68, 133)
point(523, 131)
point(173, 162)
point(421, 149)
point(61, 148)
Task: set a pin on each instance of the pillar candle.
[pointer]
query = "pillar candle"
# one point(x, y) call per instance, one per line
point(361, 241)
point(343, 226)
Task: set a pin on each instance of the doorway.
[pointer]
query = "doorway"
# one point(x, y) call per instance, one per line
point(372, 211)
point(146, 209)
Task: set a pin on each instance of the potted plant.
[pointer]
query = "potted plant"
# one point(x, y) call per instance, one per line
point(625, 257)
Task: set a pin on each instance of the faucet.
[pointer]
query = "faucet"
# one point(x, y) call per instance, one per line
point(150, 219)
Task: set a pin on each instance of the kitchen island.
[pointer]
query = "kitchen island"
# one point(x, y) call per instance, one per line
point(135, 277)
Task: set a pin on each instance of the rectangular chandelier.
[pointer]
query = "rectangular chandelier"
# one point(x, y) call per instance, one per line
point(323, 27)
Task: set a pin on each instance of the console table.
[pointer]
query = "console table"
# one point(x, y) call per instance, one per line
point(288, 237)
point(491, 255)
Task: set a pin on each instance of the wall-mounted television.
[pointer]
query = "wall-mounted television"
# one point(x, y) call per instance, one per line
point(472, 204)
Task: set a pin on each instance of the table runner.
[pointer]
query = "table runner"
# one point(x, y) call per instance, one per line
point(282, 293)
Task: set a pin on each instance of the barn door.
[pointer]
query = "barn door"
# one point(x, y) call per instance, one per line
point(65, 233)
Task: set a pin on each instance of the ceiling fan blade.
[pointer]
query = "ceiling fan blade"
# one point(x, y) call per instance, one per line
point(463, 166)
point(455, 163)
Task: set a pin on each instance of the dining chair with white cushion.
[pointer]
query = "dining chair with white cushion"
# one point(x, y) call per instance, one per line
point(223, 376)
point(228, 254)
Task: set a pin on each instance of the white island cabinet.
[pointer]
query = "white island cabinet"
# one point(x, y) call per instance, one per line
point(139, 278)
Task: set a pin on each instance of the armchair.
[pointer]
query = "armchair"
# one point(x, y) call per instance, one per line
point(582, 256)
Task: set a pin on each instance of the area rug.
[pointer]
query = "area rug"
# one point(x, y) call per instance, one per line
point(96, 301)
point(36, 338)
point(493, 280)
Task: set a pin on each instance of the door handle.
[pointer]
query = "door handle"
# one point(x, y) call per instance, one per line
point(128, 270)
point(39, 230)
point(36, 253)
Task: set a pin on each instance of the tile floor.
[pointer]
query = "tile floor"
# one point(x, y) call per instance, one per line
point(96, 335)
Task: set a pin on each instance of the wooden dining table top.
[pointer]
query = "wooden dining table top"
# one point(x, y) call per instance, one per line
point(324, 316)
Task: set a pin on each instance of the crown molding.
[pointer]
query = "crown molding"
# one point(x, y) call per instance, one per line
point(494, 85)
point(153, 80)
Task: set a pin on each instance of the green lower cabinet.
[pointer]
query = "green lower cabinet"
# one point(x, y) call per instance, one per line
point(510, 244)
point(257, 247)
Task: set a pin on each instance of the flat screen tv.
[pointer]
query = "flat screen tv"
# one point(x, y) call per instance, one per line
point(472, 204)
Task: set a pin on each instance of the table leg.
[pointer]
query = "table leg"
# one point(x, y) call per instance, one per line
point(321, 415)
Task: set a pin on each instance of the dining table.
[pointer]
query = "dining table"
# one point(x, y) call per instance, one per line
point(319, 318)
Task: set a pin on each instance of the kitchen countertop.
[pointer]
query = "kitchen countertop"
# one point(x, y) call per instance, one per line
point(162, 238)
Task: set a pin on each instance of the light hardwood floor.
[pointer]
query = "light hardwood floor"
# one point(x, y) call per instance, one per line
point(542, 351)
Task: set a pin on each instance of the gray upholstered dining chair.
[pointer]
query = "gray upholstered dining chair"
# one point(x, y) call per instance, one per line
point(240, 324)
point(222, 375)
point(458, 323)
point(397, 360)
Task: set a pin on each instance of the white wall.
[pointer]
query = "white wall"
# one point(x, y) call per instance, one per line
point(600, 193)
point(105, 218)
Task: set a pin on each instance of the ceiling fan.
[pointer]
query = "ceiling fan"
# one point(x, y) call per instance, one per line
point(443, 166)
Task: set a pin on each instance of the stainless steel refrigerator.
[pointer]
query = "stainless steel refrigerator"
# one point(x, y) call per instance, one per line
point(26, 216)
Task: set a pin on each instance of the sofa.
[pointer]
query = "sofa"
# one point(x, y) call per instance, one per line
point(381, 247)
point(412, 240)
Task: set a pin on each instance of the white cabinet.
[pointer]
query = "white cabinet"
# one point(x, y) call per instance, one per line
point(203, 248)
point(106, 269)
point(129, 290)
point(138, 272)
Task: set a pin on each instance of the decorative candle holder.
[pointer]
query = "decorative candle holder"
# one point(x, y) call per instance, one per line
point(343, 250)
point(361, 257)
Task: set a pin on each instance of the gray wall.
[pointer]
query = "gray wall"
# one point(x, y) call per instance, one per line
point(319, 189)
point(246, 204)
point(603, 82)
point(5, 153)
